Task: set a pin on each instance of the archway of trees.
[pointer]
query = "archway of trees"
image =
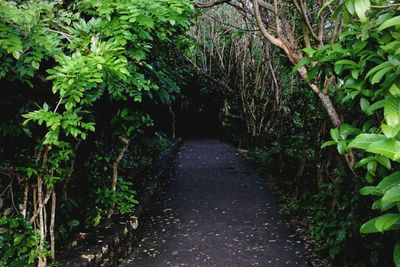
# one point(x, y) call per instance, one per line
point(92, 91)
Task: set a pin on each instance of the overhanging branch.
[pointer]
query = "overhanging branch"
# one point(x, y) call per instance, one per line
point(210, 4)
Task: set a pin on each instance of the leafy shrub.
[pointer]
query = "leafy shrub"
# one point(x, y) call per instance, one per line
point(18, 242)
point(124, 199)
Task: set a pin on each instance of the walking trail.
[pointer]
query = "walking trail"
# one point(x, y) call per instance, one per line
point(216, 211)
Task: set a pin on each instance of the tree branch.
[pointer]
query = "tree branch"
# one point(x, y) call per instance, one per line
point(210, 4)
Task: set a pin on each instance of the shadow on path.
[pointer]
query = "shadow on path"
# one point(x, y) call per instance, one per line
point(216, 211)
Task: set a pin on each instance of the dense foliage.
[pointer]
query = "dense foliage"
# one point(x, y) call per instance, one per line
point(346, 53)
point(88, 86)
point(79, 83)
point(365, 63)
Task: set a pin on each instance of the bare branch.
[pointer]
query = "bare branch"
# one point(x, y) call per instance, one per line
point(210, 4)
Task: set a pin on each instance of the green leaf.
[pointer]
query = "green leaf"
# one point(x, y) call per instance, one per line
point(370, 191)
point(301, 63)
point(16, 54)
point(390, 131)
point(346, 62)
point(347, 129)
point(35, 64)
point(377, 68)
point(387, 148)
point(125, 71)
point(145, 21)
point(362, 141)
point(364, 161)
point(361, 7)
point(389, 23)
point(384, 161)
point(379, 75)
point(18, 237)
point(335, 134)
point(394, 90)
point(328, 143)
point(124, 112)
point(389, 181)
point(342, 147)
point(392, 195)
point(364, 104)
point(350, 6)
point(73, 223)
point(371, 167)
point(377, 105)
point(369, 227)
point(384, 222)
point(309, 51)
point(392, 111)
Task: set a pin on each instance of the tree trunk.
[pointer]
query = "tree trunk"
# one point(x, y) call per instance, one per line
point(115, 171)
point(52, 224)
point(71, 170)
point(42, 261)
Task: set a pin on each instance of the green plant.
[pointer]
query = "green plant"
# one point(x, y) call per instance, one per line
point(366, 63)
point(124, 198)
point(18, 242)
point(63, 62)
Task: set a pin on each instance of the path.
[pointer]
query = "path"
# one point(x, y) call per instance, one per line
point(216, 211)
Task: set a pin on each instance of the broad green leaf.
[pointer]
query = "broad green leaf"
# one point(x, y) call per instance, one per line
point(379, 75)
point(364, 161)
point(390, 131)
point(362, 141)
point(392, 111)
point(364, 104)
point(347, 129)
point(387, 148)
point(377, 205)
point(335, 134)
point(384, 222)
point(389, 181)
point(378, 68)
point(371, 167)
point(394, 90)
point(370, 191)
point(389, 23)
point(16, 54)
point(342, 147)
point(350, 6)
point(369, 227)
point(392, 195)
point(384, 161)
point(125, 71)
point(377, 105)
point(361, 7)
point(18, 237)
point(145, 21)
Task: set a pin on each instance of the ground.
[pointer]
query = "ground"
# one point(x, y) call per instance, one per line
point(216, 211)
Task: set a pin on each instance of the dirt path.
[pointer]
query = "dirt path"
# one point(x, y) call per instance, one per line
point(216, 211)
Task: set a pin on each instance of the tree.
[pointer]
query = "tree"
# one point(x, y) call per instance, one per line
point(284, 23)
